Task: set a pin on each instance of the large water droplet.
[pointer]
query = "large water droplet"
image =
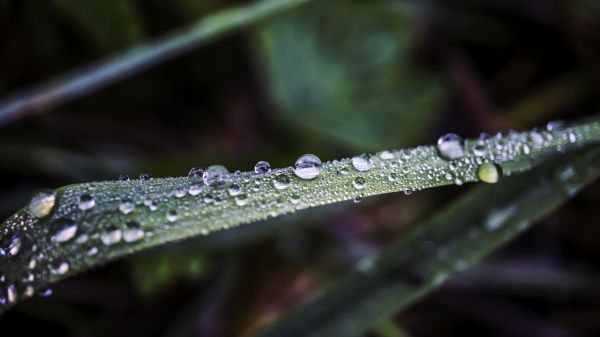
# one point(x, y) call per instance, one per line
point(111, 236)
point(86, 202)
point(133, 232)
point(196, 172)
point(362, 163)
point(262, 167)
point(450, 146)
point(489, 172)
point(307, 166)
point(216, 175)
point(41, 203)
point(66, 231)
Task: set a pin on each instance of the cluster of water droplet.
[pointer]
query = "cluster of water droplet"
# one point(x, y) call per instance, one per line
point(62, 231)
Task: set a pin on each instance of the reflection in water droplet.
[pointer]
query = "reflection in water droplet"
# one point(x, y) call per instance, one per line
point(41, 203)
point(111, 236)
point(234, 190)
point(359, 183)
point(172, 215)
point(196, 172)
point(216, 175)
point(133, 232)
point(66, 230)
point(145, 176)
point(308, 166)
point(14, 247)
point(357, 199)
point(241, 200)
point(361, 163)
point(281, 182)
point(262, 167)
point(86, 202)
point(489, 173)
point(195, 189)
point(450, 146)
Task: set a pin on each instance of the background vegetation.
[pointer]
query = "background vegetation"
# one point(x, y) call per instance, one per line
point(334, 78)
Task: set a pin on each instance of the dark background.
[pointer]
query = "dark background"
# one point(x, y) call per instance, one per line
point(335, 79)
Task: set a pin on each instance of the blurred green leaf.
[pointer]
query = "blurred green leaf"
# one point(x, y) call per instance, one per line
point(343, 70)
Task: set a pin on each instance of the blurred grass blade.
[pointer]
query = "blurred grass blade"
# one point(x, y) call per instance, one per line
point(76, 227)
point(458, 237)
point(85, 81)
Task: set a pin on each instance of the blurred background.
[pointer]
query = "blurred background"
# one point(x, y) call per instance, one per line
point(334, 78)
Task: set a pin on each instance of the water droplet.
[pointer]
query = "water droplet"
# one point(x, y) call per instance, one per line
point(357, 199)
point(450, 146)
point(45, 292)
point(92, 251)
point(60, 269)
point(572, 137)
point(295, 199)
point(216, 175)
point(196, 172)
point(86, 202)
point(32, 263)
point(489, 172)
point(308, 166)
point(234, 190)
point(359, 183)
point(479, 150)
point(386, 155)
point(145, 176)
point(41, 203)
point(111, 236)
point(361, 163)
point(392, 176)
point(343, 172)
point(11, 293)
point(123, 177)
point(172, 215)
point(126, 207)
point(262, 167)
point(536, 138)
point(241, 200)
point(282, 182)
point(66, 230)
point(554, 125)
point(14, 246)
point(133, 232)
point(195, 189)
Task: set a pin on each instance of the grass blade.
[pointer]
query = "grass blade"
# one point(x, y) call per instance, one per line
point(76, 227)
point(85, 81)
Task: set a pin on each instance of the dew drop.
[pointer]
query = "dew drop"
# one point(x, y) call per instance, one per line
point(357, 199)
point(123, 177)
point(216, 175)
point(234, 190)
point(262, 167)
point(308, 166)
point(386, 155)
point(241, 200)
point(126, 207)
point(195, 189)
point(86, 202)
point(295, 199)
point(359, 183)
point(133, 232)
point(361, 163)
point(489, 173)
point(172, 215)
point(11, 293)
point(66, 231)
point(45, 292)
point(450, 146)
point(60, 269)
point(145, 176)
point(479, 150)
point(536, 138)
point(392, 176)
point(196, 172)
point(111, 236)
point(281, 182)
point(14, 246)
point(42, 202)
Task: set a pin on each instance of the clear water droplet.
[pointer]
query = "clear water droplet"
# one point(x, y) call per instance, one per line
point(45, 292)
point(86, 202)
point(234, 190)
point(133, 232)
point(554, 125)
point(450, 146)
point(216, 175)
point(295, 199)
point(489, 173)
point(281, 182)
point(479, 150)
point(112, 236)
point(14, 247)
point(536, 138)
point(362, 163)
point(145, 176)
point(42, 203)
point(308, 166)
point(392, 177)
point(262, 167)
point(195, 189)
point(196, 173)
point(172, 215)
point(123, 177)
point(66, 230)
point(126, 207)
point(357, 199)
point(386, 155)
point(11, 293)
point(241, 200)
point(359, 183)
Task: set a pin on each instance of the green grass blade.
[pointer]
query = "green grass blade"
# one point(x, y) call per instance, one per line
point(455, 239)
point(85, 81)
point(134, 215)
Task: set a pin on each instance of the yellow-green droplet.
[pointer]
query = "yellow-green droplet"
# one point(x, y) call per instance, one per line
point(42, 203)
point(489, 173)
